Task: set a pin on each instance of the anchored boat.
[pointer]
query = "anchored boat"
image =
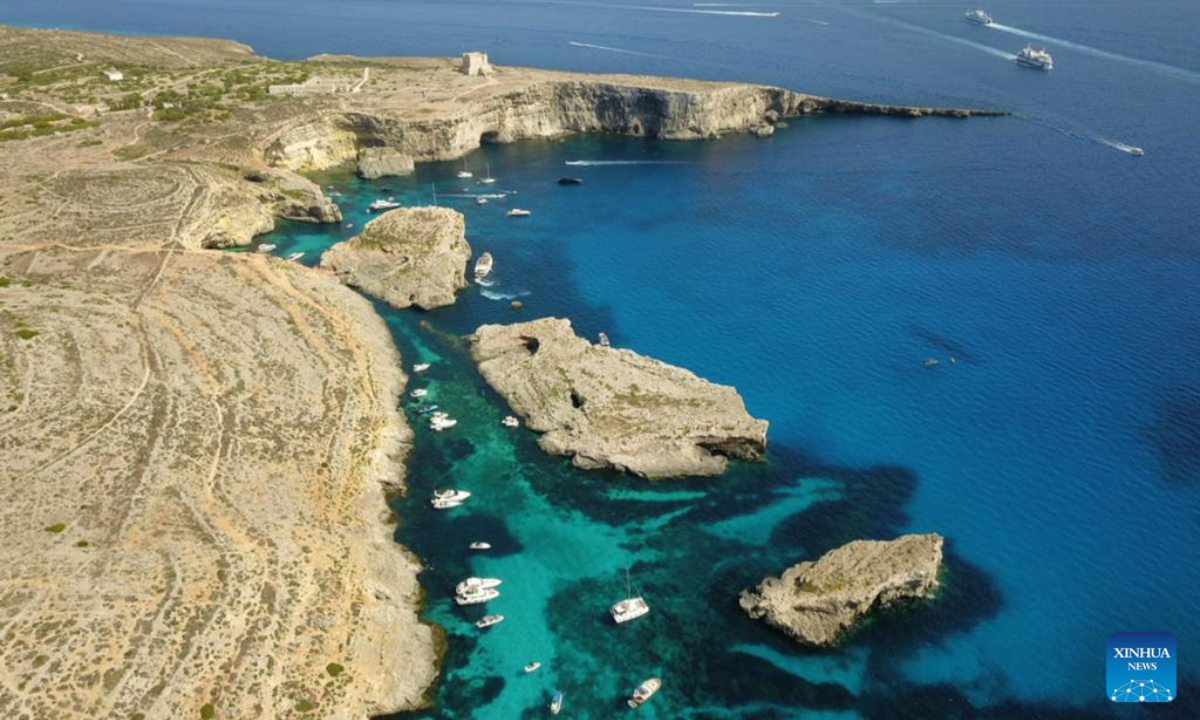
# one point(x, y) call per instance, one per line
point(489, 620)
point(532, 666)
point(644, 692)
point(518, 212)
point(478, 597)
point(480, 545)
point(556, 702)
point(511, 421)
point(631, 607)
point(379, 205)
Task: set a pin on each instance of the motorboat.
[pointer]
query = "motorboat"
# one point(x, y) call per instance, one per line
point(511, 421)
point(930, 362)
point(1039, 59)
point(556, 702)
point(480, 545)
point(379, 205)
point(481, 200)
point(295, 256)
point(419, 393)
point(421, 367)
point(489, 620)
point(266, 248)
point(483, 266)
point(604, 340)
point(518, 212)
point(425, 409)
point(451, 494)
point(474, 584)
point(632, 607)
point(1133, 150)
point(441, 504)
point(979, 17)
point(644, 692)
point(477, 598)
point(532, 666)
point(570, 181)
point(488, 179)
point(439, 424)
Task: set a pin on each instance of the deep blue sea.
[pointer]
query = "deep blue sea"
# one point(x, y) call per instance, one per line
point(816, 271)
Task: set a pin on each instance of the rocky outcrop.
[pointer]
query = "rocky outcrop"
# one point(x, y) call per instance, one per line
point(377, 162)
point(607, 407)
point(816, 602)
point(407, 257)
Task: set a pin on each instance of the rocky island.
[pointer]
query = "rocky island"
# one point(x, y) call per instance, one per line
point(609, 407)
point(411, 257)
point(816, 602)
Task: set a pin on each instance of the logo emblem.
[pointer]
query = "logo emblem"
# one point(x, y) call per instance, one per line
point(1141, 667)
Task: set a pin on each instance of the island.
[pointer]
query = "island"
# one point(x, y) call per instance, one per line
point(411, 257)
point(198, 444)
point(610, 407)
point(817, 602)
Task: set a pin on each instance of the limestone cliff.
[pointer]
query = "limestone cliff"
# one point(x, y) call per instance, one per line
point(406, 257)
point(607, 407)
point(816, 602)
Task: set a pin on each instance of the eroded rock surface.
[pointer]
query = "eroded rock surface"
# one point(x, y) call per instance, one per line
point(609, 407)
point(406, 257)
point(816, 602)
point(377, 162)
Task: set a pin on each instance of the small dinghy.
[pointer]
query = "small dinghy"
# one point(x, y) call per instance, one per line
point(489, 620)
point(420, 367)
point(532, 666)
point(480, 545)
point(556, 702)
point(425, 409)
point(644, 692)
point(295, 256)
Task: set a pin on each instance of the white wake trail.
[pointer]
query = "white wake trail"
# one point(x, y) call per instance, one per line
point(606, 48)
point(589, 163)
point(732, 13)
point(1170, 70)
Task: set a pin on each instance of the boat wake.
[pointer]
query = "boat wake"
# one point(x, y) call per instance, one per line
point(590, 163)
point(943, 36)
point(1163, 68)
point(696, 11)
point(1123, 147)
point(494, 295)
point(605, 48)
point(1063, 127)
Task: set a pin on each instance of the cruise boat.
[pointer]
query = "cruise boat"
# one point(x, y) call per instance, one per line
point(1039, 59)
point(420, 367)
point(378, 205)
point(488, 179)
point(631, 608)
point(477, 598)
point(295, 256)
point(511, 421)
point(644, 692)
point(483, 266)
point(473, 585)
point(419, 393)
point(480, 545)
point(979, 17)
point(518, 212)
point(465, 173)
point(451, 494)
point(268, 247)
point(443, 504)
point(556, 702)
point(532, 666)
point(489, 620)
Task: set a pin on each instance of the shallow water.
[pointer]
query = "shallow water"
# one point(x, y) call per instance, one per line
point(816, 271)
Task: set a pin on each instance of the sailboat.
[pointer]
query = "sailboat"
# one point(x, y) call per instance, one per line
point(465, 173)
point(631, 607)
point(488, 179)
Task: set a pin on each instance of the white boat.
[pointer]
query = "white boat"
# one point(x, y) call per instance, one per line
point(439, 424)
point(532, 666)
point(419, 393)
point(511, 421)
point(1132, 150)
point(481, 201)
point(1039, 59)
point(440, 504)
point(480, 545)
point(979, 17)
point(465, 173)
point(489, 620)
point(420, 367)
point(478, 598)
point(378, 205)
point(266, 248)
point(644, 692)
point(488, 179)
point(632, 607)
point(483, 266)
point(518, 212)
point(451, 494)
point(604, 340)
point(473, 585)
point(295, 256)
point(556, 702)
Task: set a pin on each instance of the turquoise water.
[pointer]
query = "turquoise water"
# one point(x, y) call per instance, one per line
point(816, 271)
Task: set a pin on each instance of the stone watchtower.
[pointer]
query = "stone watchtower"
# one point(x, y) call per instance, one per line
point(475, 63)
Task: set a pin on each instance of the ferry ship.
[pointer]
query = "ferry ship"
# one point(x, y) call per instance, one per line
point(979, 17)
point(1039, 59)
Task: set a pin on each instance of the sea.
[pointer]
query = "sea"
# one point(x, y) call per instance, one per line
point(1052, 274)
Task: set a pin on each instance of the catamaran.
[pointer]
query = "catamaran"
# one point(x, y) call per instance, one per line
point(631, 607)
point(483, 266)
point(1039, 59)
point(644, 692)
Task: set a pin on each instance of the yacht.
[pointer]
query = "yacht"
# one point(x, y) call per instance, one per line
point(488, 179)
point(979, 17)
point(483, 266)
point(518, 212)
point(442, 504)
point(420, 367)
point(631, 607)
point(644, 692)
point(489, 620)
point(451, 494)
point(378, 205)
point(439, 424)
point(295, 256)
point(419, 393)
point(556, 702)
point(480, 545)
point(465, 173)
point(1039, 59)
point(473, 585)
point(511, 421)
point(268, 247)
point(532, 666)
point(477, 598)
